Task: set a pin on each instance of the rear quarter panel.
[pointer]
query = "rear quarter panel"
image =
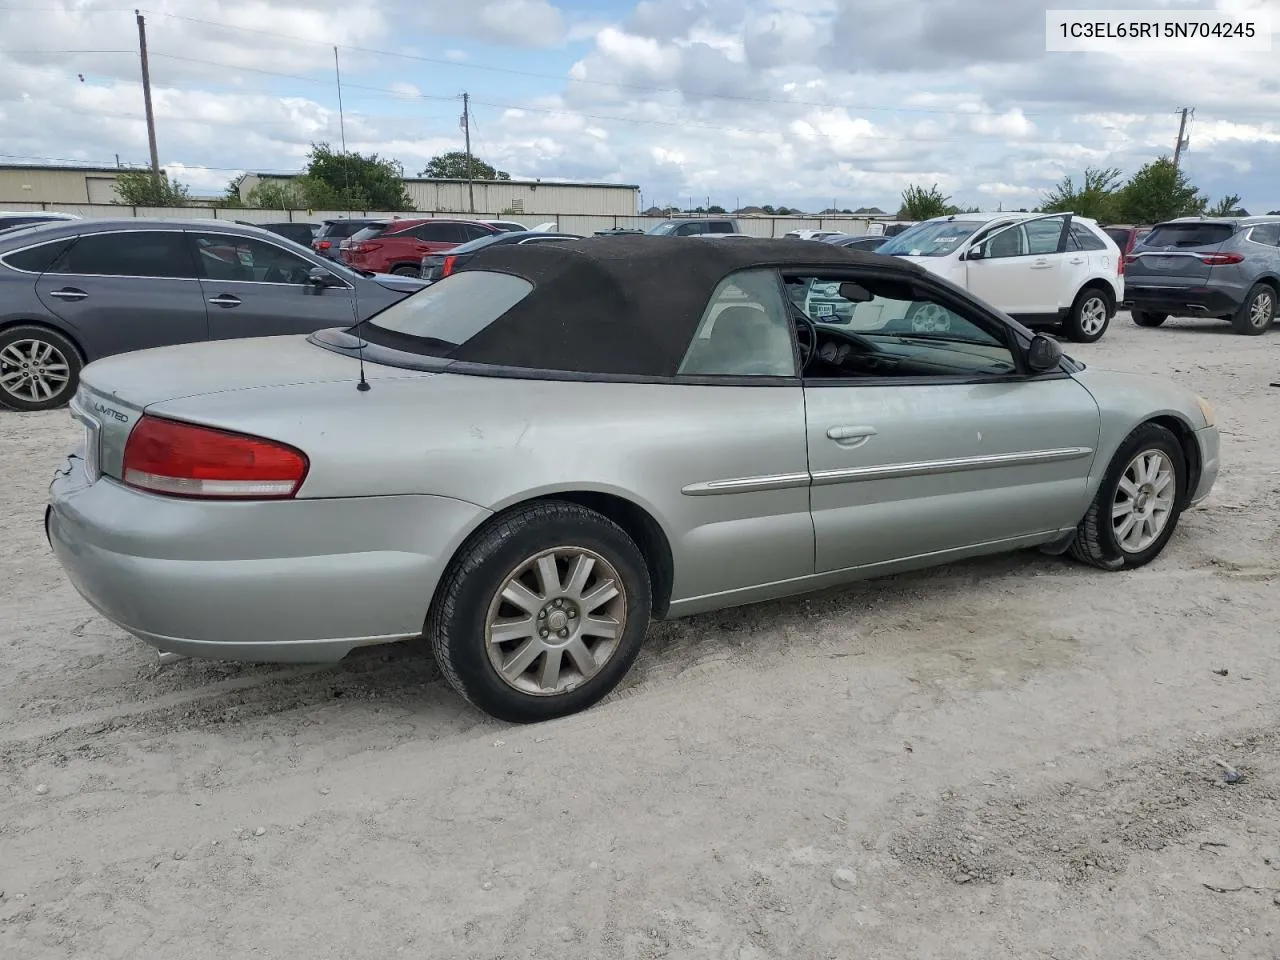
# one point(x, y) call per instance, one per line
point(495, 442)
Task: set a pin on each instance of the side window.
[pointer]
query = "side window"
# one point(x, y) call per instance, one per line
point(721, 226)
point(1082, 238)
point(439, 233)
point(37, 259)
point(745, 331)
point(131, 253)
point(690, 229)
point(1007, 243)
point(473, 231)
point(894, 333)
point(1268, 233)
point(226, 257)
point(1043, 235)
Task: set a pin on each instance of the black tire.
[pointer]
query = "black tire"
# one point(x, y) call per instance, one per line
point(1087, 301)
point(407, 271)
point(1096, 542)
point(456, 623)
point(1145, 318)
point(43, 337)
point(1258, 311)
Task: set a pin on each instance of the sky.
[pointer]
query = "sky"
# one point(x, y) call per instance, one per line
point(803, 103)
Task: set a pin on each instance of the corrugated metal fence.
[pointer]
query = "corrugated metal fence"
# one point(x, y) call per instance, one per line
point(569, 223)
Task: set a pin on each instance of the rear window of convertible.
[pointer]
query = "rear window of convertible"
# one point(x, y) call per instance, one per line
point(447, 314)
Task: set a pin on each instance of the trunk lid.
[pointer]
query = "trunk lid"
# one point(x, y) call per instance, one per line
point(115, 391)
point(1172, 254)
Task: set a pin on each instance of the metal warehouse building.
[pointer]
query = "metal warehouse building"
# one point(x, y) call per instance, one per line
point(43, 184)
point(513, 196)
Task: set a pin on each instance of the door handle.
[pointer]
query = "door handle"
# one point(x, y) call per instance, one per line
point(850, 436)
point(226, 300)
point(68, 293)
point(1076, 260)
point(1041, 265)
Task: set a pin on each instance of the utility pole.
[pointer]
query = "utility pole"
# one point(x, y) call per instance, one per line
point(342, 122)
point(466, 131)
point(1182, 140)
point(146, 99)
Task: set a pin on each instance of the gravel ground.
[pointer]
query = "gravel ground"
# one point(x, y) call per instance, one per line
point(1007, 758)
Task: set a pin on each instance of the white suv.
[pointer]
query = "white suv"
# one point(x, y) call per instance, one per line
point(1042, 269)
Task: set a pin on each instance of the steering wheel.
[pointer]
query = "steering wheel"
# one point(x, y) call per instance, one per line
point(809, 344)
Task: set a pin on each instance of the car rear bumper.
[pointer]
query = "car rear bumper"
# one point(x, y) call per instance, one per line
point(1202, 301)
point(1208, 440)
point(299, 581)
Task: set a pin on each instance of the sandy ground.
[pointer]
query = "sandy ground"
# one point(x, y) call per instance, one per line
point(1008, 758)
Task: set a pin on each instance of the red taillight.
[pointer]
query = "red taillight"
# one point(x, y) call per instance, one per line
point(183, 460)
point(1222, 259)
point(447, 267)
point(323, 244)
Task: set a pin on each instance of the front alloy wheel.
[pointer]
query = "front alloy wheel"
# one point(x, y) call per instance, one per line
point(1139, 500)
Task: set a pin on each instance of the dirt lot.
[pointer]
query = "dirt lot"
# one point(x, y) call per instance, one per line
point(1009, 758)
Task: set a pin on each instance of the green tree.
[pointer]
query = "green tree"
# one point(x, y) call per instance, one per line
point(453, 166)
point(1159, 191)
point(140, 188)
point(1228, 206)
point(1096, 198)
point(716, 209)
point(784, 211)
point(921, 204)
point(355, 181)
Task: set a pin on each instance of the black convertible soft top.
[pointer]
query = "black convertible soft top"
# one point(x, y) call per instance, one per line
point(627, 305)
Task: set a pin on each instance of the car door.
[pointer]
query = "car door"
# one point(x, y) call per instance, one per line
point(1018, 267)
point(256, 288)
point(741, 453)
point(127, 290)
point(924, 446)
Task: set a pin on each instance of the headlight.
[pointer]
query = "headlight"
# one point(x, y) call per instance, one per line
point(1206, 408)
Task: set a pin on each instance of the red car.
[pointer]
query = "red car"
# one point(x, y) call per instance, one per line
point(398, 246)
point(1126, 237)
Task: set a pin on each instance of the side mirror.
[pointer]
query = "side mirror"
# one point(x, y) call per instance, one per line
point(1044, 354)
point(975, 252)
point(855, 293)
point(320, 277)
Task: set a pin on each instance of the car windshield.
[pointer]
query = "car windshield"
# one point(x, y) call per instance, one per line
point(1188, 235)
point(448, 313)
point(930, 239)
point(663, 229)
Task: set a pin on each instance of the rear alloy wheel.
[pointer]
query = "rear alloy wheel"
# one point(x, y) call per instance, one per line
point(542, 613)
point(1089, 316)
point(39, 368)
point(1138, 503)
point(1144, 318)
point(1257, 312)
point(407, 271)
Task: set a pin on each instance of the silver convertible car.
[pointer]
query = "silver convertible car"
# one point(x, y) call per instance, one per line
point(524, 463)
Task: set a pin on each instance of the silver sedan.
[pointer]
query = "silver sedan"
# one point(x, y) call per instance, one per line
point(524, 463)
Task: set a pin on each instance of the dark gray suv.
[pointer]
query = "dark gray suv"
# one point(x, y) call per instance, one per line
point(1206, 267)
point(76, 291)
